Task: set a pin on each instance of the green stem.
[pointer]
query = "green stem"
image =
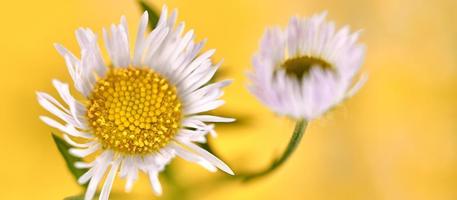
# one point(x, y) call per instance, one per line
point(297, 135)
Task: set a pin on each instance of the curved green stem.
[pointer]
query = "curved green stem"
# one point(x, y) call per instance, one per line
point(298, 133)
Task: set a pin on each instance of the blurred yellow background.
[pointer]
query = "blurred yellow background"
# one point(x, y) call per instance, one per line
point(396, 139)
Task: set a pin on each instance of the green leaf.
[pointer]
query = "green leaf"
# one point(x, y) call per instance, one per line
point(69, 159)
point(153, 16)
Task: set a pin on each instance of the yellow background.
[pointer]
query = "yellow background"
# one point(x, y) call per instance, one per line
point(396, 139)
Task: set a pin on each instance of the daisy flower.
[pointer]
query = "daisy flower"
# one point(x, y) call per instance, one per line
point(138, 112)
point(308, 68)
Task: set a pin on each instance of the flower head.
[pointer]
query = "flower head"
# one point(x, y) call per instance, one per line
point(308, 68)
point(140, 111)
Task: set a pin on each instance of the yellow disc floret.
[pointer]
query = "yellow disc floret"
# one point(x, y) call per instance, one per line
point(134, 111)
point(301, 66)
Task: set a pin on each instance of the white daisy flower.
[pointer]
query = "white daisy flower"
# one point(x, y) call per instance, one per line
point(308, 68)
point(141, 111)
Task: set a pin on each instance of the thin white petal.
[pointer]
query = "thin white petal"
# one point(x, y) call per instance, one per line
point(98, 173)
point(104, 194)
point(362, 80)
point(203, 108)
point(191, 157)
point(208, 156)
point(84, 152)
point(75, 144)
point(211, 118)
point(139, 45)
point(84, 165)
point(154, 179)
point(69, 129)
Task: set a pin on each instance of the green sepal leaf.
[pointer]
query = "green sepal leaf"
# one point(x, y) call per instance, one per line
point(153, 16)
point(69, 159)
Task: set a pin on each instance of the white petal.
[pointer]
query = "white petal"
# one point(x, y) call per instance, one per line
point(84, 152)
point(98, 173)
point(139, 45)
point(192, 157)
point(75, 144)
point(83, 179)
point(83, 165)
point(154, 179)
point(363, 79)
point(210, 118)
point(203, 108)
point(208, 156)
point(104, 194)
point(197, 62)
point(69, 129)
point(163, 16)
point(76, 109)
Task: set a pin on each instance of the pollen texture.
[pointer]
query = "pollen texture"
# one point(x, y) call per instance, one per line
point(134, 111)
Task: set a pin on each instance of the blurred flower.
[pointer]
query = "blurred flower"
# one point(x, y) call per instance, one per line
point(308, 68)
point(141, 111)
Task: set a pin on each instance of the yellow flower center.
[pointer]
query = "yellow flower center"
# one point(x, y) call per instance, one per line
point(134, 111)
point(301, 66)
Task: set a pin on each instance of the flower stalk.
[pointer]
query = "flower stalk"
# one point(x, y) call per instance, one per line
point(297, 135)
